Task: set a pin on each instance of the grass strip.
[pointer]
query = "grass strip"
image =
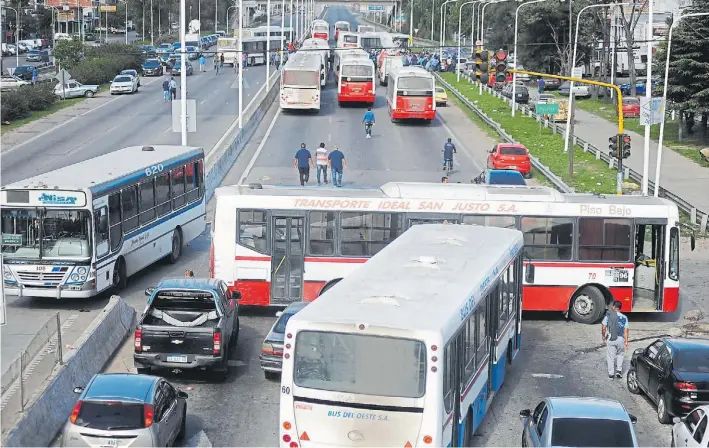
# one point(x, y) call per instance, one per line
point(607, 111)
point(590, 175)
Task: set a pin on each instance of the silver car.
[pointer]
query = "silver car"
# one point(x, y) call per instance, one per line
point(121, 409)
point(578, 421)
point(271, 356)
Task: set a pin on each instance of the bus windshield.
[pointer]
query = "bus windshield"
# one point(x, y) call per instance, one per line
point(360, 364)
point(300, 78)
point(62, 233)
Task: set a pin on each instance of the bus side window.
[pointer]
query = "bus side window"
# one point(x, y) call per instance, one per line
point(178, 187)
point(162, 194)
point(193, 182)
point(101, 230)
point(115, 221)
point(129, 199)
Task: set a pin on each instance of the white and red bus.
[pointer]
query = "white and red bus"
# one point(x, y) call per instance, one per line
point(345, 39)
point(341, 25)
point(355, 80)
point(300, 82)
point(293, 243)
point(411, 94)
point(321, 30)
point(344, 54)
point(320, 48)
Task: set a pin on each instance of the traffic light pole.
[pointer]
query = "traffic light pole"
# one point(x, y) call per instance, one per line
point(619, 151)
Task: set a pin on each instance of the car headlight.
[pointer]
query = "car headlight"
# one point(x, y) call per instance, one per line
point(74, 277)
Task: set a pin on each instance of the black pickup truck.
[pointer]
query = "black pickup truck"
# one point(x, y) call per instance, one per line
point(188, 324)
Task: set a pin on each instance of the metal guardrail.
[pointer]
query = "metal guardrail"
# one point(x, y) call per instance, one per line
point(697, 217)
point(559, 184)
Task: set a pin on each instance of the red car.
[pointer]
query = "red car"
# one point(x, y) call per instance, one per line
point(631, 107)
point(510, 156)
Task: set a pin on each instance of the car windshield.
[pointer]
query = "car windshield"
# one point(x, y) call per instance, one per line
point(151, 63)
point(692, 361)
point(512, 151)
point(33, 233)
point(123, 79)
point(34, 52)
point(360, 364)
point(111, 415)
point(129, 72)
point(22, 69)
point(440, 90)
point(587, 432)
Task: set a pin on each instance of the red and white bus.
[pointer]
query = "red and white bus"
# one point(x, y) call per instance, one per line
point(279, 245)
point(320, 48)
point(355, 80)
point(321, 30)
point(411, 94)
point(341, 25)
point(300, 82)
point(345, 39)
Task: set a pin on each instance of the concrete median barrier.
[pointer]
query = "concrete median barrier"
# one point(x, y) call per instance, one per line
point(49, 408)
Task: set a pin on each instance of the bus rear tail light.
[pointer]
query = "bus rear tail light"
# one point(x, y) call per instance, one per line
point(427, 440)
point(217, 342)
point(75, 412)
point(138, 340)
point(211, 259)
point(287, 426)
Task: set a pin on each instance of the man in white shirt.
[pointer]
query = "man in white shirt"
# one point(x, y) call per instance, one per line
point(321, 161)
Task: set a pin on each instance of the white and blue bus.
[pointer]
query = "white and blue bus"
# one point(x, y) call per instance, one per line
point(87, 227)
point(411, 347)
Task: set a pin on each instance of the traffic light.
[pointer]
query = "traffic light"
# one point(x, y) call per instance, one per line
point(482, 60)
point(625, 142)
point(613, 146)
point(500, 66)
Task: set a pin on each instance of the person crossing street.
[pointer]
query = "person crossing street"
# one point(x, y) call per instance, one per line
point(614, 335)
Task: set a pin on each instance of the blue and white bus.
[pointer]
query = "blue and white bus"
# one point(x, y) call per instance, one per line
point(411, 347)
point(87, 227)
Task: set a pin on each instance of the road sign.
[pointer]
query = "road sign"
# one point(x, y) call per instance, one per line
point(107, 8)
point(416, 30)
point(577, 72)
point(546, 109)
point(375, 8)
point(191, 115)
point(363, 8)
point(652, 111)
point(63, 77)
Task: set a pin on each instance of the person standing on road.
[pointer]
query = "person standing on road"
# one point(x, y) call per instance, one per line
point(34, 75)
point(321, 161)
point(173, 88)
point(243, 60)
point(336, 161)
point(614, 335)
point(202, 61)
point(166, 90)
point(303, 161)
point(540, 86)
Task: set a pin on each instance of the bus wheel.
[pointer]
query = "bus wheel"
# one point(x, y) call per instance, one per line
point(587, 305)
point(176, 246)
point(120, 279)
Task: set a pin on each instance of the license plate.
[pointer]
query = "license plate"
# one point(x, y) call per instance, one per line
point(519, 95)
point(512, 167)
point(177, 358)
point(356, 90)
point(110, 442)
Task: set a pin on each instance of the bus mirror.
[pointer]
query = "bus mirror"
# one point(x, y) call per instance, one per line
point(149, 291)
point(529, 273)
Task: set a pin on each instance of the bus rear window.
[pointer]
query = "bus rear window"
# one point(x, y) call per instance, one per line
point(360, 364)
point(299, 78)
point(357, 71)
point(415, 84)
point(350, 39)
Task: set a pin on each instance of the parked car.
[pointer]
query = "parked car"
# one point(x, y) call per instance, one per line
point(115, 408)
point(510, 156)
point(692, 429)
point(133, 73)
point(520, 91)
point(271, 356)
point(124, 84)
point(152, 67)
point(74, 89)
point(579, 422)
point(631, 107)
point(164, 48)
point(640, 84)
point(147, 49)
point(188, 324)
point(580, 90)
point(37, 56)
point(45, 72)
point(178, 67)
point(673, 373)
point(552, 83)
point(441, 96)
point(500, 177)
point(193, 53)
point(9, 82)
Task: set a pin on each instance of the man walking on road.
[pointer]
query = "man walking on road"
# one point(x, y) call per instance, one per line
point(614, 334)
point(173, 88)
point(336, 161)
point(540, 85)
point(202, 61)
point(303, 161)
point(166, 90)
point(321, 161)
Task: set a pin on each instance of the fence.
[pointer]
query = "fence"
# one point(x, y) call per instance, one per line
point(697, 217)
point(48, 338)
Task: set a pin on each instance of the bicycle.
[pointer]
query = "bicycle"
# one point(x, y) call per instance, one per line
point(448, 166)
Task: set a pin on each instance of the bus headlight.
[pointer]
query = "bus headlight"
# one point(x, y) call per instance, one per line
point(7, 273)
point(74, 277)
point(82, 270)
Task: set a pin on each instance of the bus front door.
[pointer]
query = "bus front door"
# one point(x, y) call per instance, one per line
point(287, 260)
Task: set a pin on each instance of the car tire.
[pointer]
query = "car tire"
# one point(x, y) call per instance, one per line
point(183, 426)
point(663, 416)
point(89, 94)
point(524, 440)
point(271, 376)
point(631, 380)
point(221, 372)
point(587, 305)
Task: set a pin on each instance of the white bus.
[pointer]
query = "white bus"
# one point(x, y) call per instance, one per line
point(229, 47)
point(411, 348)
point(377, 41)
point(300, 82)
point(87, 227)
point(584, 246)
point(387, 63)
point(411, 94)
point(320, 48)
point(263, 31)
point(321, 30)
point(365, 29)
point(255, 48)
point(356, 80)
point(341, 25)
point(345, 54)
point(347, 40)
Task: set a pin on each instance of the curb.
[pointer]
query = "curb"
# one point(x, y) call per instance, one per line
point(49, 408)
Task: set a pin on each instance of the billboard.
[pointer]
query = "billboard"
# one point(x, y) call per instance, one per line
point(107, 8)
point(70, 3)
point(66, 16)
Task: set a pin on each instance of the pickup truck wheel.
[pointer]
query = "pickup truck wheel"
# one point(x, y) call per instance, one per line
point(89, 94)
point(143, 370)
point(183, 426)
point(270, 375)
point(221, 373)
point(235, 333)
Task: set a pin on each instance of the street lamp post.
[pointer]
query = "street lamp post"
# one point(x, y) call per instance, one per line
point(648, 96)
point(442, 40)
point(290, 22)
point(482, 19)
point(411, 21)
point(152, 41)
point(283, 31)
point(216, 15)
point(183, 75)
point(227, 18)
point(268, 41)
point(241, 62)
point(17, 25)
point(460, 23)
point(664, 94)
point(433, 8)
point(514, 58)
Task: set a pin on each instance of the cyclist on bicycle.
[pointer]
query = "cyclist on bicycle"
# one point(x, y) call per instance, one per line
point(368, 121)
point(448, 151)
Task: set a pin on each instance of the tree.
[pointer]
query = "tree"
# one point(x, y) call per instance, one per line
point(69, 52)
point(629, 21)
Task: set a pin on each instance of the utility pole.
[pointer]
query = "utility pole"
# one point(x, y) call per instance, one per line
point(572, 146)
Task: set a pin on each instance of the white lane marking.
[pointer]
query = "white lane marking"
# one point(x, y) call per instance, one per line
point(329, 119)
point(199, 440)
point(552, 376)
point(54, 128)
point(460, 143)
point(260, 147)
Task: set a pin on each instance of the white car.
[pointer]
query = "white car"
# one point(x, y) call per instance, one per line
point(692, 429)
point(133, 73)
point(9, 82)
point(580, 90)
point(124, 84)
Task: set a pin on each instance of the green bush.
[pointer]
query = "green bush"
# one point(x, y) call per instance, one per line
point(39, 97)
point(14, 105)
